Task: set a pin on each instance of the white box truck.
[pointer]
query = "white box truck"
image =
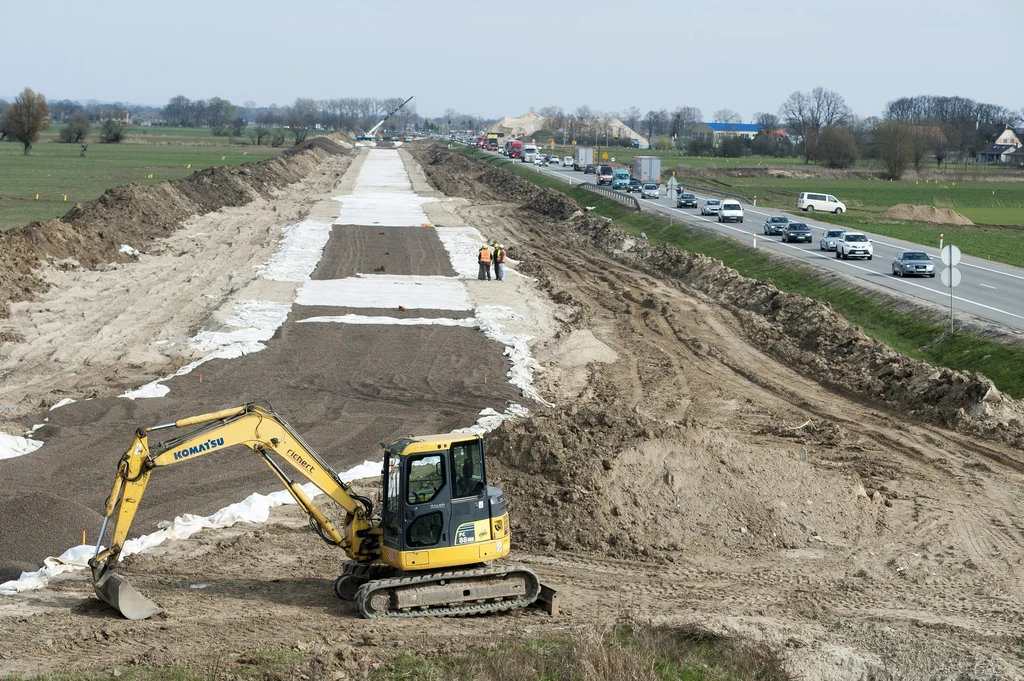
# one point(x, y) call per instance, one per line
point(647, 168)
point(584, 156)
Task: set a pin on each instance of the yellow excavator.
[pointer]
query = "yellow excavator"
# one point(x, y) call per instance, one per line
point(428, 551)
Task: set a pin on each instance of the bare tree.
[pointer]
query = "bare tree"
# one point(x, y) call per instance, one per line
point(893, 148)
point(632, 117)
point(4, 129)
point(114, 126)
point(76, 130)
point(837, 148)
point(654, 121)
point(806, 114)
point(920, 145)
point(727, 116)
point(28, 116)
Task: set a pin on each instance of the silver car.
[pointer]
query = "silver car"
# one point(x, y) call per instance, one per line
point(917, 263)
point(830, 239)
point(710, 207)
point(650, 191)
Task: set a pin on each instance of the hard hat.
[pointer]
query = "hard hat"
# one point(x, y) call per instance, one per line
point(501, 245)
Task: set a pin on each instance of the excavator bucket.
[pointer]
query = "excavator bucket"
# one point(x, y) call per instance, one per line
point(115, 591)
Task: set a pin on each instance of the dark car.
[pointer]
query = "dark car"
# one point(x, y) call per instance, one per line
point(686, 201)
point(591, 169)
point(918, 263)
point(775, 224)
point(796, 231)
point(634, 186)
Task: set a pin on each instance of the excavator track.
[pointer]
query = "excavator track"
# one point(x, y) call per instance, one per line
point(457, 593)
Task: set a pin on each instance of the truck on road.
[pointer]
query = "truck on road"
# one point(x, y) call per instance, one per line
point(604, 174)
point(583, 157)
point(530, 152)
point(647, 168)
point(620, 179)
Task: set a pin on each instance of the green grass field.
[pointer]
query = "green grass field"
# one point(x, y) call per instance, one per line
point(60, 177)
point(909, 334)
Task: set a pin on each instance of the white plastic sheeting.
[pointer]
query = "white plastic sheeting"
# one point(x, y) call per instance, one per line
point(463, 244)
point(517, 349)
point(16, 445)
point(253, 509)
point(300, 249)
point(378, 290)
point(491, 419)
point(383, 168)
point(128, 250)
point(405, 321)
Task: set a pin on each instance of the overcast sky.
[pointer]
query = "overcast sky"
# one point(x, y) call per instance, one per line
point(495, 59)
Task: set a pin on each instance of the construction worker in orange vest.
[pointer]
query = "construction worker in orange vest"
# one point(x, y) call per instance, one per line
point(499, 261)
point(484, 258)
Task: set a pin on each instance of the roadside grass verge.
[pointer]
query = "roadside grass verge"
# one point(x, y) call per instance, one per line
point(624, 653)
point(54, 171)
point(918, 336)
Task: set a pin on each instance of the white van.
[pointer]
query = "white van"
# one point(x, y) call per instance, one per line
point(825, 202)
point(730, 210)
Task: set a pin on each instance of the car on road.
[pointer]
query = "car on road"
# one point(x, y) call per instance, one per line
point(796, 232)
point(774, 224)
point(730, 211)
point(591, 169)
point(907, 263)
point(855, 245)
point(710, 207)
point(650, 191)
point(566, 161)
point(634, 185)
point(686, 200)
point(620, 179)
point(830, 239)
point(808, 201)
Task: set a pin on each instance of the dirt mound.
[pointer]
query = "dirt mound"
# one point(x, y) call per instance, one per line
point(319, 142)
point(456, 174)
point(57, 524)
point(92, 233)
point(553, 204)
point(942, 216)
point(806, 334)
point(601, 478)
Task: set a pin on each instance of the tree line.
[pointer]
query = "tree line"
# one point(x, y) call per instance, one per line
point(24, 119)
point(817, 125)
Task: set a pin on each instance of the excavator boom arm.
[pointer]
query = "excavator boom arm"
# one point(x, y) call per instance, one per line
point(262, 431)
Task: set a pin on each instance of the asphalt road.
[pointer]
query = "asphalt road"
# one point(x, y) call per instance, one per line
point(988, 290)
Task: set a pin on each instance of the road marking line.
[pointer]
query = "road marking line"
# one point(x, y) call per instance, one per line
point(987, 286)
point(848, 263)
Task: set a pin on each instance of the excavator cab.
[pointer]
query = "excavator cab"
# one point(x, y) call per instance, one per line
point(438, 510)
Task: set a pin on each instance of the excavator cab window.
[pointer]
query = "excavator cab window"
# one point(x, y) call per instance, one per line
point(426, 478)
point(468, 467)
point(392, 496)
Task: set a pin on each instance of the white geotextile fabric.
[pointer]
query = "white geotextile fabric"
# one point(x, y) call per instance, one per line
point(125, 248)
point(63, 403)
point(383, 168)
point(253, 509)
point(405, 321)
point(491, 419)
point(462, 244)
point(299, 251)
point(379, 290)
point(16, 445)
point(256, 322)
point(383, 209)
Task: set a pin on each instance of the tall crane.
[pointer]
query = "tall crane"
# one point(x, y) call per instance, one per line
point(374, 129)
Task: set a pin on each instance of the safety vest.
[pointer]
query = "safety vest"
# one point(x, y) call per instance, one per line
point(499, 255)
point(485, 255)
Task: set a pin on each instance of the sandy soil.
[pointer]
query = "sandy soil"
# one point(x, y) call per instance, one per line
point(943, 216)
point(719, 454)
